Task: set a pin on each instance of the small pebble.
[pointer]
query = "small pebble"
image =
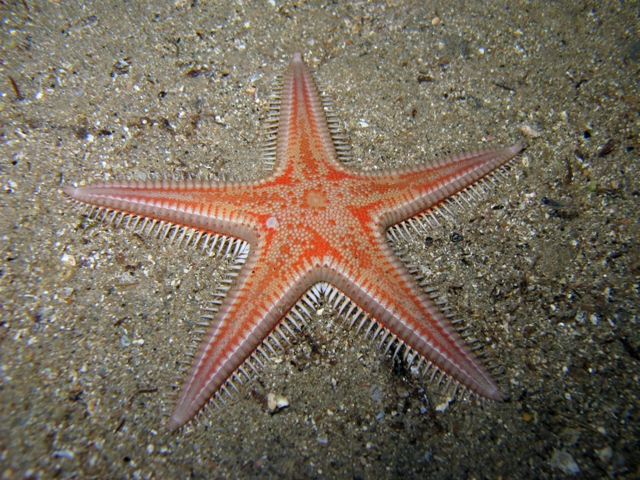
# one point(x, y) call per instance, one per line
point(375, 393)
point(441, 407)
point(605, 455)
point(428, 455)
point(402, 392)
point(276, 402)
point(68, 259)
point(63, 454)
point(529, 131)
point(563, 460)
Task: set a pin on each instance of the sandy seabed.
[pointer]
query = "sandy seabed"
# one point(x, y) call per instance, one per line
point(95, 321)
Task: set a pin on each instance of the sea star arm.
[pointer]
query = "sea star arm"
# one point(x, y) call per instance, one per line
point(251, 310)
point(269, 285)
point(205, 206)
point(389, 295)
point(403, 194)
point(301, 122)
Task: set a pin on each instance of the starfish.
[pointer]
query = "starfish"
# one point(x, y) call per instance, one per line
point(312, 227)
